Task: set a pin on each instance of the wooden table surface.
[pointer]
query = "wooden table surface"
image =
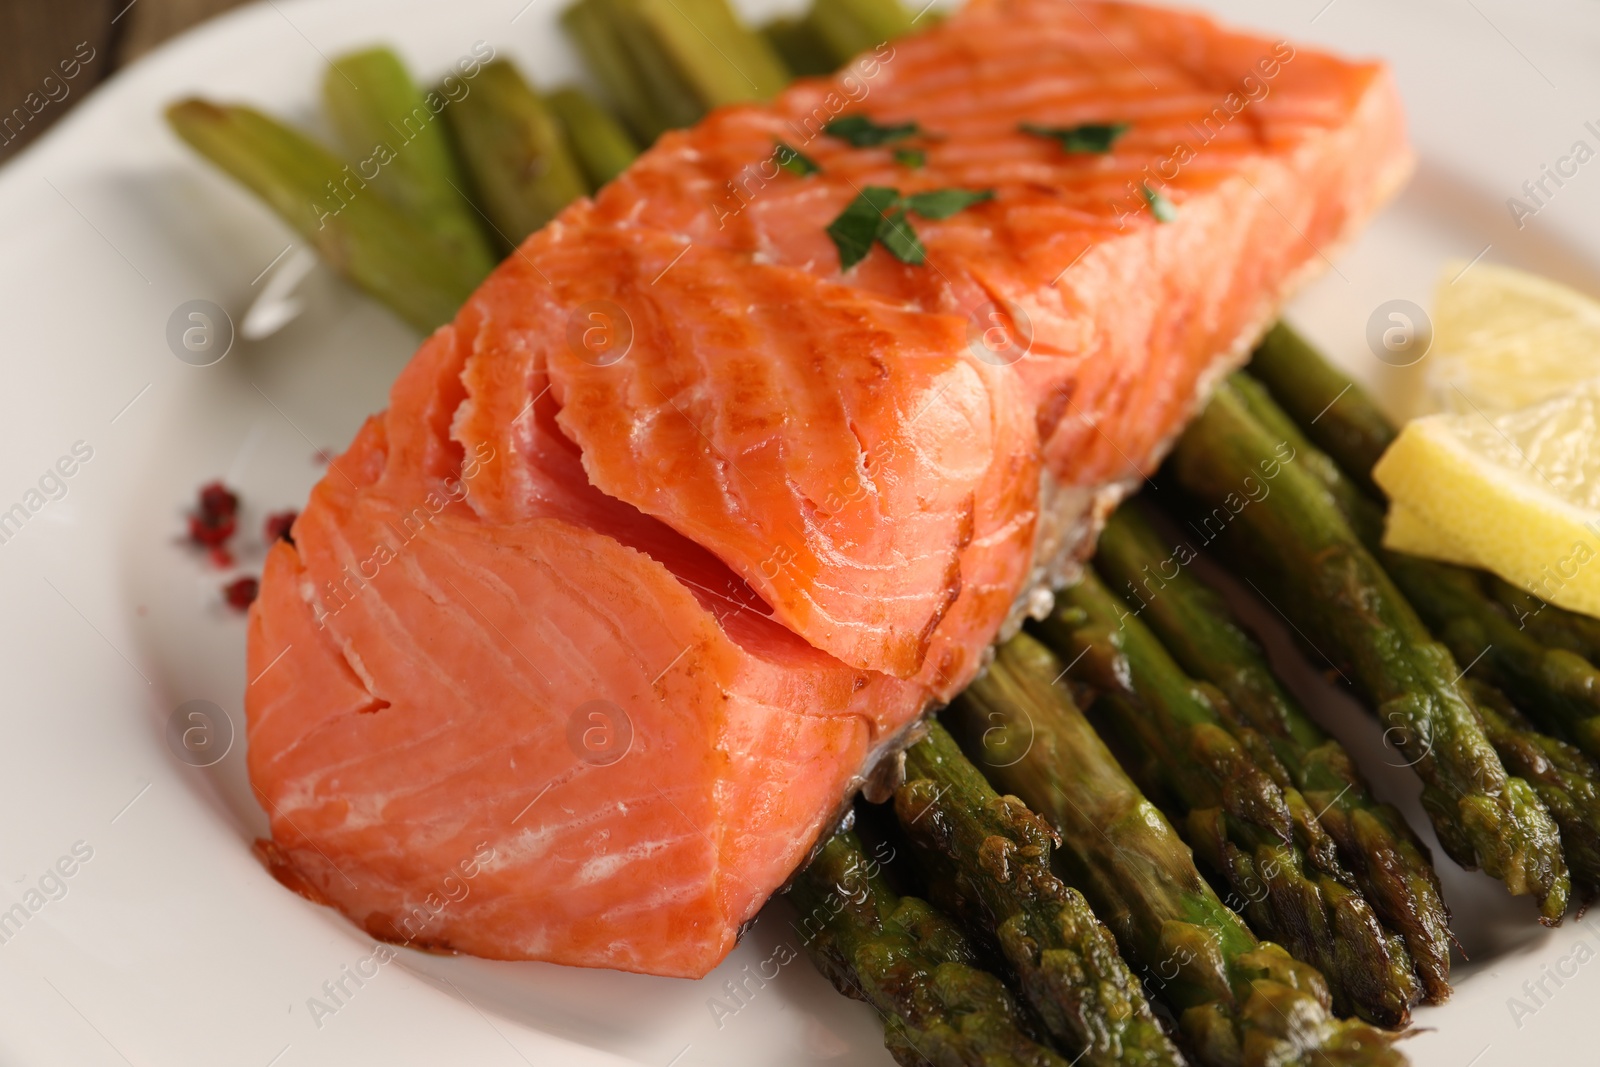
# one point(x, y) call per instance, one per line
point(53, 51)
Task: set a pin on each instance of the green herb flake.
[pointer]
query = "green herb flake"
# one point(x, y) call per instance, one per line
point(942, 203)
point(795, 161)
point(861, 132)
point(896, 235)
point(1095, 137)
point(857, 225)
point(1160, 206)
point(914, 158)
point(881, 214)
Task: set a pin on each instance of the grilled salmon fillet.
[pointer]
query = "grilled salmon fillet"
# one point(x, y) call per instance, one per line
point(673, 534)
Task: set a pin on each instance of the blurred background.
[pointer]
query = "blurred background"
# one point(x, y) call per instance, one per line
point(36, 36)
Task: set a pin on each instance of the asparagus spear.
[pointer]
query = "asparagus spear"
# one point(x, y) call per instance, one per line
point(1263, 840)
point(1364, 518)
point(1343, 602)
point(1546, 623)
point(1558, 689)
point(389, 131)
point(1241, 1002)
point(1196, 626)
point(722, 60)
point(1566, 780)
point(849, 27)
point(598, 29)
point(358, 232)
point(602, 147)
point(665, 62)
point(1337, 414)
point(799, 45)
point(989, 860)
point(1555, 683)
point(518, 161)
point(910, 963)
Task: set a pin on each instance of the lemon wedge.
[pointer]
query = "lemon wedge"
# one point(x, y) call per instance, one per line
point(1504, 339)
point(1406, 531)
point(1516, 492)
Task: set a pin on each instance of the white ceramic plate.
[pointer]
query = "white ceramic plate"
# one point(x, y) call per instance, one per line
point(170, 944)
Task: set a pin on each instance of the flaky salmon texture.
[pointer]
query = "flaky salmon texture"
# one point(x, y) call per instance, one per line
point(678, 528)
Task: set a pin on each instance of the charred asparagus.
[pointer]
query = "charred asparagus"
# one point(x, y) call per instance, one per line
point(910, 963)
point(1303, 548)
point(988, 859)
point(1240, 1002)
point(1197, 628)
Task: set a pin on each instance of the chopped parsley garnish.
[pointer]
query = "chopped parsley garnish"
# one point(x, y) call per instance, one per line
point(858, 224)
point(1160, 206)
point(910, 157)
point(1093, 137)
point(862, 132)
point(942, 203)
point(900, 239)
point(881, 214)
point(795, 161)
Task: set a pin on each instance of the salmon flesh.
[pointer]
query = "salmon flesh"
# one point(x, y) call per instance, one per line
point(675, 532)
